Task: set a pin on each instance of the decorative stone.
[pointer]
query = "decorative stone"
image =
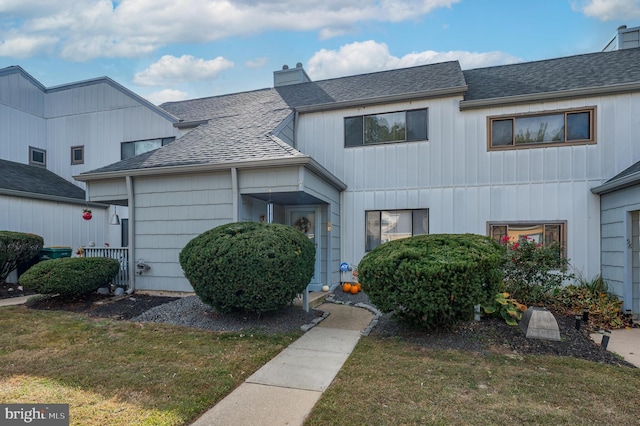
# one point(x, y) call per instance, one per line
point(103, 290)
point(118, 291)
point(539, 323)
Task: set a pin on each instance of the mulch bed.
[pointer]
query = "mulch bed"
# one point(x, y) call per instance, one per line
point(103, 306)
point(488, 336)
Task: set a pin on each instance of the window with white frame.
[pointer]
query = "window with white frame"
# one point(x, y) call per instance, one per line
point(575, 126)
point(544, 233)
point(133, 148)
point(37, 157)
point(387, 225)
point(401, 126)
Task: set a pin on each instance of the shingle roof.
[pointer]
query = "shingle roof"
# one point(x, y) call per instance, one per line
point(553, 75)
point(36, 180)
point(239, 125)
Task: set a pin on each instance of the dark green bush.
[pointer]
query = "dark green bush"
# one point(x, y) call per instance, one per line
point(70, 276)
point(16, 248)
point(432, 280)
point(250, 266)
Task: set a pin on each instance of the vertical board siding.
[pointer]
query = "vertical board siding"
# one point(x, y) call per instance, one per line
point(59, 224)
point(464, 185)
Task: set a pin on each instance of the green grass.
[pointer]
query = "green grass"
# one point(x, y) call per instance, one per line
point(389, 382)
point(123, 373)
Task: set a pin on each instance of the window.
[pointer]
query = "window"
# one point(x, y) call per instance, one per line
point(131, 149)
point(383, 128)
point(387, 225)
point(526, 131)
point(77, 154)
point(37, 157)
point(548, 234)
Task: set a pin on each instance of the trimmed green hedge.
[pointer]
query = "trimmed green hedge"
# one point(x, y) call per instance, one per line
point(250, 266)
point(70, 276)
point(432, 280)
point(16, 248)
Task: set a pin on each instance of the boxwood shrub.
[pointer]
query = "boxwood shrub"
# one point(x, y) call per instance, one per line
point(70, 276)
point(432, 280)
point(17, 248)
point(249, 266)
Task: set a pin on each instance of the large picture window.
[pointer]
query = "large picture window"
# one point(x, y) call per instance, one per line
point(389, 127)
point(547, 234)
point(527, 131)
point(388, 225)
point(133, 148)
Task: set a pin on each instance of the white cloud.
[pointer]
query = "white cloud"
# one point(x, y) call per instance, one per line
point(88, 29)
point(24, 47)
point(170, 70)
point(371, 56)
point(166, 95)
point(256, 63)
point(609, 10)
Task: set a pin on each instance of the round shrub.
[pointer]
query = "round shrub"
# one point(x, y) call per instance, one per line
point(17, 248)
point(250, 266)
point(432, 280)
point(70, 276)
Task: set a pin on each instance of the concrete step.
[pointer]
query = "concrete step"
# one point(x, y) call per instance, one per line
point(316, 298)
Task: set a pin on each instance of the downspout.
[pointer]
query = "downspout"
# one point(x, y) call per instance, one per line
point(131, 233)
point(235, 202)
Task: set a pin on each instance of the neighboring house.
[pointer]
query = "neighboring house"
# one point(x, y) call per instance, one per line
point(547, 149)
point(47, 135)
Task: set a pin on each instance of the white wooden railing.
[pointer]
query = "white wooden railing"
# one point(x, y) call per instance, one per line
point(121, 254)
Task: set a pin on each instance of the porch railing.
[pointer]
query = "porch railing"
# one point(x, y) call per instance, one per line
point(121, 254)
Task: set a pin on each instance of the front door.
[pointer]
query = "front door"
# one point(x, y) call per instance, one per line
point(307, 220)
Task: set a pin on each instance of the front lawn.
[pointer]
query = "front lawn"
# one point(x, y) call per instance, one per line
point(123, 373)
point(387, 381)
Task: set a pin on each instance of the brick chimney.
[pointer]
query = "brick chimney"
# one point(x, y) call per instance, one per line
point(287, 76)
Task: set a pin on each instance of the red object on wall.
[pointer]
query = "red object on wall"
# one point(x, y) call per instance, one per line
point(87, 215)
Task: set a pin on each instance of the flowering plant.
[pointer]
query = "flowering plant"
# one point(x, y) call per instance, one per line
point(533, 270)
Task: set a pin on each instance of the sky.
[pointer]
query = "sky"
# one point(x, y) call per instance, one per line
point(185, 49)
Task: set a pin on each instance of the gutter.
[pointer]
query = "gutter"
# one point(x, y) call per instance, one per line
point(190, 168)
point(54, 198)
point(438, 93)
point(614, 185)
point(559, 94)
point(131, 234)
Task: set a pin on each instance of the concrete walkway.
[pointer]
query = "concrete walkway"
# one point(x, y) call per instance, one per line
point(624, 342)
point(284, 390)
point(14, 301)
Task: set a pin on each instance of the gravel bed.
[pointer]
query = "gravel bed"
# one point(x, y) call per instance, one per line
point(191, 312)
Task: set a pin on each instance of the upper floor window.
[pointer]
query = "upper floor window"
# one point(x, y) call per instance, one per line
point(387, 225)
point(388, 127)
point(77, 154)
point(544, 233)
point(544, 129)
point(37, 157)
point(133, 148)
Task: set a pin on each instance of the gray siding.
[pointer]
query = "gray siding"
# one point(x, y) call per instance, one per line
point(60, 224)
point(465, 186)
point(621, 244)
point(170, 211)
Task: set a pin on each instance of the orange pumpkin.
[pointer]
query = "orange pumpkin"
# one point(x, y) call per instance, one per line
point(346, 287)
point(354, 288)
point(359, 287)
